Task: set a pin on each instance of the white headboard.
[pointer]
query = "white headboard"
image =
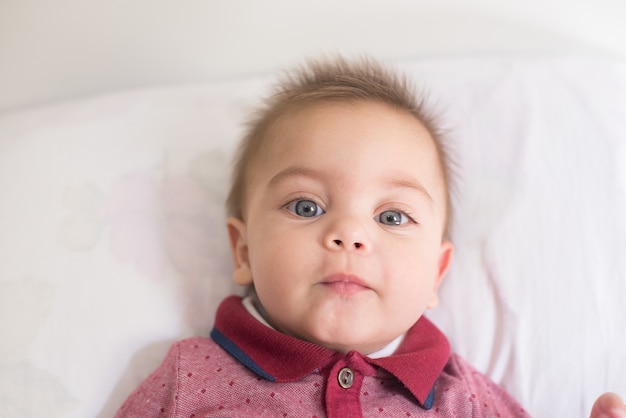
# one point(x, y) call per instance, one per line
point(71, 48)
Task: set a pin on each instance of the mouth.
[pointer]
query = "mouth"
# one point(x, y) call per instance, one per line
point(345, 284)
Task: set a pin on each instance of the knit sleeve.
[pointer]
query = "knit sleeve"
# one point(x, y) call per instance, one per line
point(157, 395)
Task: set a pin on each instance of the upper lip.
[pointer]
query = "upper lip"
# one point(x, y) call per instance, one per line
point(345, 278)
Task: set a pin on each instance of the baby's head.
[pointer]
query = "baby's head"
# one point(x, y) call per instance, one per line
point(337, 81)
point(339, 206)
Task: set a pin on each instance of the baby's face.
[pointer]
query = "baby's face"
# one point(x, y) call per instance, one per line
point(343, 225)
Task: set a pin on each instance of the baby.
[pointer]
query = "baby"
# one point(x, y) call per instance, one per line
point(339, 211)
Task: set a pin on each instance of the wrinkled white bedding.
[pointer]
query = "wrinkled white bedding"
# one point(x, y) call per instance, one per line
point(112, 238)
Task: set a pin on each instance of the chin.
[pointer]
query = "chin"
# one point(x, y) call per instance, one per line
point(345, 346)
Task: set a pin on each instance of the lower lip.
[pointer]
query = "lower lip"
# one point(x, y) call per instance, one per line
point(345, 288)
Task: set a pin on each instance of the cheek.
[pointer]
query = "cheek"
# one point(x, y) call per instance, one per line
point(416, 268)
point(276, 258)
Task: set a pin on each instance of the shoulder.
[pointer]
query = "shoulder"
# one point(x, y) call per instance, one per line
point(462, 387)
point(199, 360)
point(188, 370)
point(193, 346)
point(188, 349)
point(459, 369)
point(195, 351)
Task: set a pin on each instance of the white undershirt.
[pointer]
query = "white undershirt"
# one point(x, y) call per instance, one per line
point(389, 349)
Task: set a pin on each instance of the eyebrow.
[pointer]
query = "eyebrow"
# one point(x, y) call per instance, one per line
point(402, 182)
point(294, 172)
point(392, 181)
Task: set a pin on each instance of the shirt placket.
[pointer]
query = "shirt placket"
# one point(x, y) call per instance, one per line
point(343, 386)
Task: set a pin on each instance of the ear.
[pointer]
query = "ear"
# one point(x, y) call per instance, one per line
point(445, 257)
point(239, 248)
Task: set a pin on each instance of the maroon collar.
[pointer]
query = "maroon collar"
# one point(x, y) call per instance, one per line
point(417, 363)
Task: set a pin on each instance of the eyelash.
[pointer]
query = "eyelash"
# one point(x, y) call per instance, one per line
point(408, 215)
point(319, 211)
point(410, 218)
point(299, 199)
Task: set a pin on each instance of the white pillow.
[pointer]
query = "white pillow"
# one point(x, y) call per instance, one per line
point(113, 242)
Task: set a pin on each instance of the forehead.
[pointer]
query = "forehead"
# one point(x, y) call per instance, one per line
point(346, 127)
point(364, 138)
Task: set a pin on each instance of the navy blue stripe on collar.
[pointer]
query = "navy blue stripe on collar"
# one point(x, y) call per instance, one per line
point(430, 400)
point(238, 353)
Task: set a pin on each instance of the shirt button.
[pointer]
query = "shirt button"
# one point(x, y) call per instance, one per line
point(345, 377)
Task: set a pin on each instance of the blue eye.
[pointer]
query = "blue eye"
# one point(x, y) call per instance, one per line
point(305, 208)
point(392, 217)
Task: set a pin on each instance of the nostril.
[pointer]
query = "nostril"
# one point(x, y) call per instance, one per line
point(356, 245)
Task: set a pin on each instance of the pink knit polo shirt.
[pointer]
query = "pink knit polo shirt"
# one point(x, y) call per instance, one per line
point(248, 369)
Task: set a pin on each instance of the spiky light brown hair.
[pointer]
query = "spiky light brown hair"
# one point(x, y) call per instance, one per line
point(332, 80)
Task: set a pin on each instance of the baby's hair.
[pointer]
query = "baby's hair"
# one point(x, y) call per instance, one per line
point(332, 80)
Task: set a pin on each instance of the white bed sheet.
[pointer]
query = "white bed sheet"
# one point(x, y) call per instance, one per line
point(112, 238)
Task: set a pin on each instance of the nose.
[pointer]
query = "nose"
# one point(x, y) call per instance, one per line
point(347, 235)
